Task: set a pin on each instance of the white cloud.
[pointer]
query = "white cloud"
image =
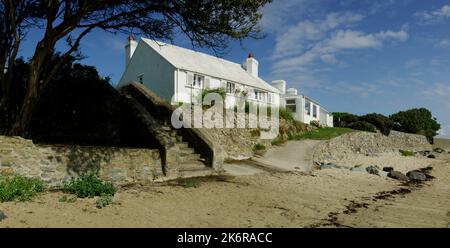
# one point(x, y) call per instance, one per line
point(278, 13)
point(296, 37)
point(438, 90)
point(333, 43)
point(443, 43)
point(413, 63)
point(436, 16)
point(360, 90)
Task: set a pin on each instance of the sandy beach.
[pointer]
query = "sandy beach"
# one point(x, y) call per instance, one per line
point(323, 198)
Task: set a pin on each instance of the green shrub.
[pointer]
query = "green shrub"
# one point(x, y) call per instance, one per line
point(190, 183)
point(342, 119)
point(104, 201)
point(320, 134)
point(259, 147)
point(406, 153)
point(68, 199)
point(381, 122)
point(363, 126)
point(285, 114)
point(418, 121)
point(219, 91)
point(89, 185)
point(315, 124)
point(277, 141)
point(19, 188)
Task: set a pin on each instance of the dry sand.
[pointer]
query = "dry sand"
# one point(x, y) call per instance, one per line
point(331, 197)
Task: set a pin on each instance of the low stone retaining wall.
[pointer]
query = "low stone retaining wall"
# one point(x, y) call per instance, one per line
point(57, 164)
point(368, 144)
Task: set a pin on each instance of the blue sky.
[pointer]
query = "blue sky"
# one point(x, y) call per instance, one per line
point(358, 56)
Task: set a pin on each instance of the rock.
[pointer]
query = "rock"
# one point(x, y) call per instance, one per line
point(416, 176)
point(388, 169)
point(373, 169)
point(358, 169)
point(324, 166)
point(431, 156)
point(2, 215)
point(438, 150)
point(383, 173)
point(398, 175)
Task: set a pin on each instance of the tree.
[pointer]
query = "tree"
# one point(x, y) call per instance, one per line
point(418, 120)
point(208, 23)
point(16, 17)
point(381, 122)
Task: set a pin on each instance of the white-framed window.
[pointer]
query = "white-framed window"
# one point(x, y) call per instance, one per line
point(198, 81)
point(308, 107)
point(195, 80)
point(291, 105)
point(231, 87)
point(315, 111)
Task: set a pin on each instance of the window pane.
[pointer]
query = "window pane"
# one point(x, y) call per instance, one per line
point(290, 101)
point(308, 108)
point(292, 108)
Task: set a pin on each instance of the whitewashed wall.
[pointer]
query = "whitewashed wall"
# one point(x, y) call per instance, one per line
point(158, 74)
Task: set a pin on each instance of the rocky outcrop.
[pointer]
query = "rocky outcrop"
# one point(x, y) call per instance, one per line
point(369, 144)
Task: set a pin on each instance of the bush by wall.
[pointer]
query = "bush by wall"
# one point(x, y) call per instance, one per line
point(363, 126)
point(418, 120)
point(342, 119)
point(381, 122)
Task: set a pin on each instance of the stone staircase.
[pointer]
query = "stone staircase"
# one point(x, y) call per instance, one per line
point(183, 157)
point(191, 164)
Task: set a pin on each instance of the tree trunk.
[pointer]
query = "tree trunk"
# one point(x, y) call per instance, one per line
point(22, 122)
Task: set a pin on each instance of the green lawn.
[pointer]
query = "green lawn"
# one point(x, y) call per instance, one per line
point(322, 133)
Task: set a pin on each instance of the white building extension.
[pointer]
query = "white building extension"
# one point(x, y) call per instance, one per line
point(303, 108)
point(180, 74)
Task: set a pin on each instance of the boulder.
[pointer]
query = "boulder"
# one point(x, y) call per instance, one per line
point(398, 175)
point(438, 150)
point(324, 166)
point(373, 169)
point(388, 169)
point(416, 176)
point(358, 169)
point(2, 215)
point(431, 156)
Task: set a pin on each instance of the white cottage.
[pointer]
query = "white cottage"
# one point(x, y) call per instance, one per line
point(302, 107)
point(180, 74)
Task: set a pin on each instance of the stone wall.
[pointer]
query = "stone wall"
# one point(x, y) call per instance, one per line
point(369, 144)
point(57, 164)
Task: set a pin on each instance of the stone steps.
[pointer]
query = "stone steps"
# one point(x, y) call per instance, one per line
point(197, 172)
point(190, 157)
point(183, 145)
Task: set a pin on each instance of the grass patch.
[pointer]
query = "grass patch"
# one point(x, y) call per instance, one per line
point(190, 183)
point(321, 133)
point(277, 141)
point(89, 185)
point(68, 199)
point(19, 188)
point(406, 153)
point(259, 147)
